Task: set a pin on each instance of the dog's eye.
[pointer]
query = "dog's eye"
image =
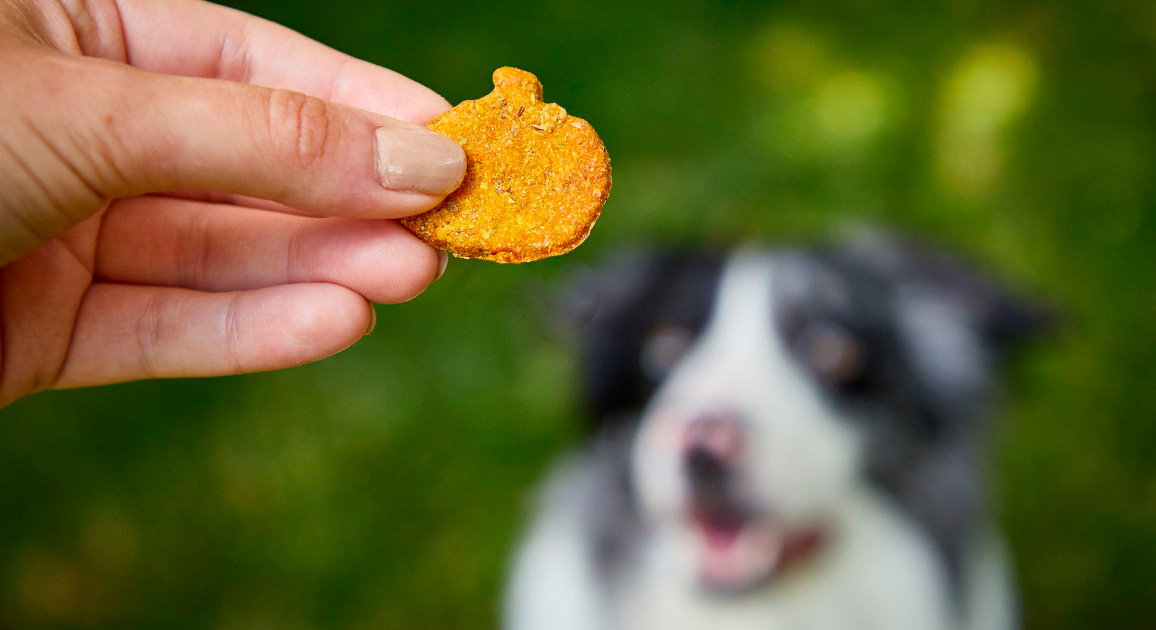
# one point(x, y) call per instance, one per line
point(663, 349)
point(832, 352)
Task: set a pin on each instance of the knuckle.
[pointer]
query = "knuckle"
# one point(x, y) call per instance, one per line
point(302, 126)
point(193, 255)
point(233, 336)
point(150, 335)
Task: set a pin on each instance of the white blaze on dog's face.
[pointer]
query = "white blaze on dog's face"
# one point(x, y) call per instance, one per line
point(738, 450)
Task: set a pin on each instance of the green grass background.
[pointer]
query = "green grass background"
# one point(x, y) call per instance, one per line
point(383, 488)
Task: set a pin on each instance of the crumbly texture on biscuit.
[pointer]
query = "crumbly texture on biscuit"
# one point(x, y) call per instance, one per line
point(536, 177)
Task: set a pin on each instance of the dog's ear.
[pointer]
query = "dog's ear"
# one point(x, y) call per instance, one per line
point(601, 310)
point(614, 312)
point(1009, 319)
point(593, 295)
point(1004, 318)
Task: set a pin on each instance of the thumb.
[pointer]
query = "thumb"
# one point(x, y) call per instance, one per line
point(107, 130)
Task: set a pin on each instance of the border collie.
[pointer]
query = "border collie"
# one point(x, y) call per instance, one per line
point(784, 439)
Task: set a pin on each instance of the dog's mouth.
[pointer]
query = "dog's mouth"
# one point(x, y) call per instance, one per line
point(740, 550)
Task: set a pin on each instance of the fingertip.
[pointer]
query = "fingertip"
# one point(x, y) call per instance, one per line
point(412, 269)
point(374, 88)
point(408, 100)
point(381, 260)
point(320, 320)
point(431, 108)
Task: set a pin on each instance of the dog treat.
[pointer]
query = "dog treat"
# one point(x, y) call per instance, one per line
point(536, 177)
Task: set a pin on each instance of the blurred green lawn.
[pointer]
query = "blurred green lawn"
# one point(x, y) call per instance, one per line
point(384, 487)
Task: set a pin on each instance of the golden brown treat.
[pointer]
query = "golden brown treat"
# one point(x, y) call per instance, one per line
point(536, 177)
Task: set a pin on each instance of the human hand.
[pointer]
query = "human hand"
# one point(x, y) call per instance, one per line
point(270, 240)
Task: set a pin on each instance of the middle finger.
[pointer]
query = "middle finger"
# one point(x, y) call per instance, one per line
point(165, 241)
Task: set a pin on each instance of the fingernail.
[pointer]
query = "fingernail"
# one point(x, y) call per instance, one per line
point(411, 158)
point(372, 319)
point(443, 260)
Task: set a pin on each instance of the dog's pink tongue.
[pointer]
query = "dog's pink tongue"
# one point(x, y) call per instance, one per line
point(735, 556)
point(721, 537)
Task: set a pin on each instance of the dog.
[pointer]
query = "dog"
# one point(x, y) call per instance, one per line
point(787, 439)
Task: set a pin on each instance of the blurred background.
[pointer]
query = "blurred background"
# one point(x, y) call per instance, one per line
point(385, 487)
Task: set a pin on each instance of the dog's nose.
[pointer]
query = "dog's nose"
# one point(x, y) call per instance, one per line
point(712, 446)
point(718, 436)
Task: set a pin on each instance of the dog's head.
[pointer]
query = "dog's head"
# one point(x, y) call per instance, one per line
point(770, 387)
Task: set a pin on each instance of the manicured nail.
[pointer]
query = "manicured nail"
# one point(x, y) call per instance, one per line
point(443, 260)
point(372, 319)
point(411, 158)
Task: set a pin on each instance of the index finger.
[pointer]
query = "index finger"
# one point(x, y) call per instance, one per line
point(194, 38)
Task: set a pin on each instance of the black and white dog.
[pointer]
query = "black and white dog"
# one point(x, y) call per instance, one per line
point(785, 439)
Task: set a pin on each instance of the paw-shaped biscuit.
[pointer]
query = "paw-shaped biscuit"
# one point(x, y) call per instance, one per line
point(536, 177)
